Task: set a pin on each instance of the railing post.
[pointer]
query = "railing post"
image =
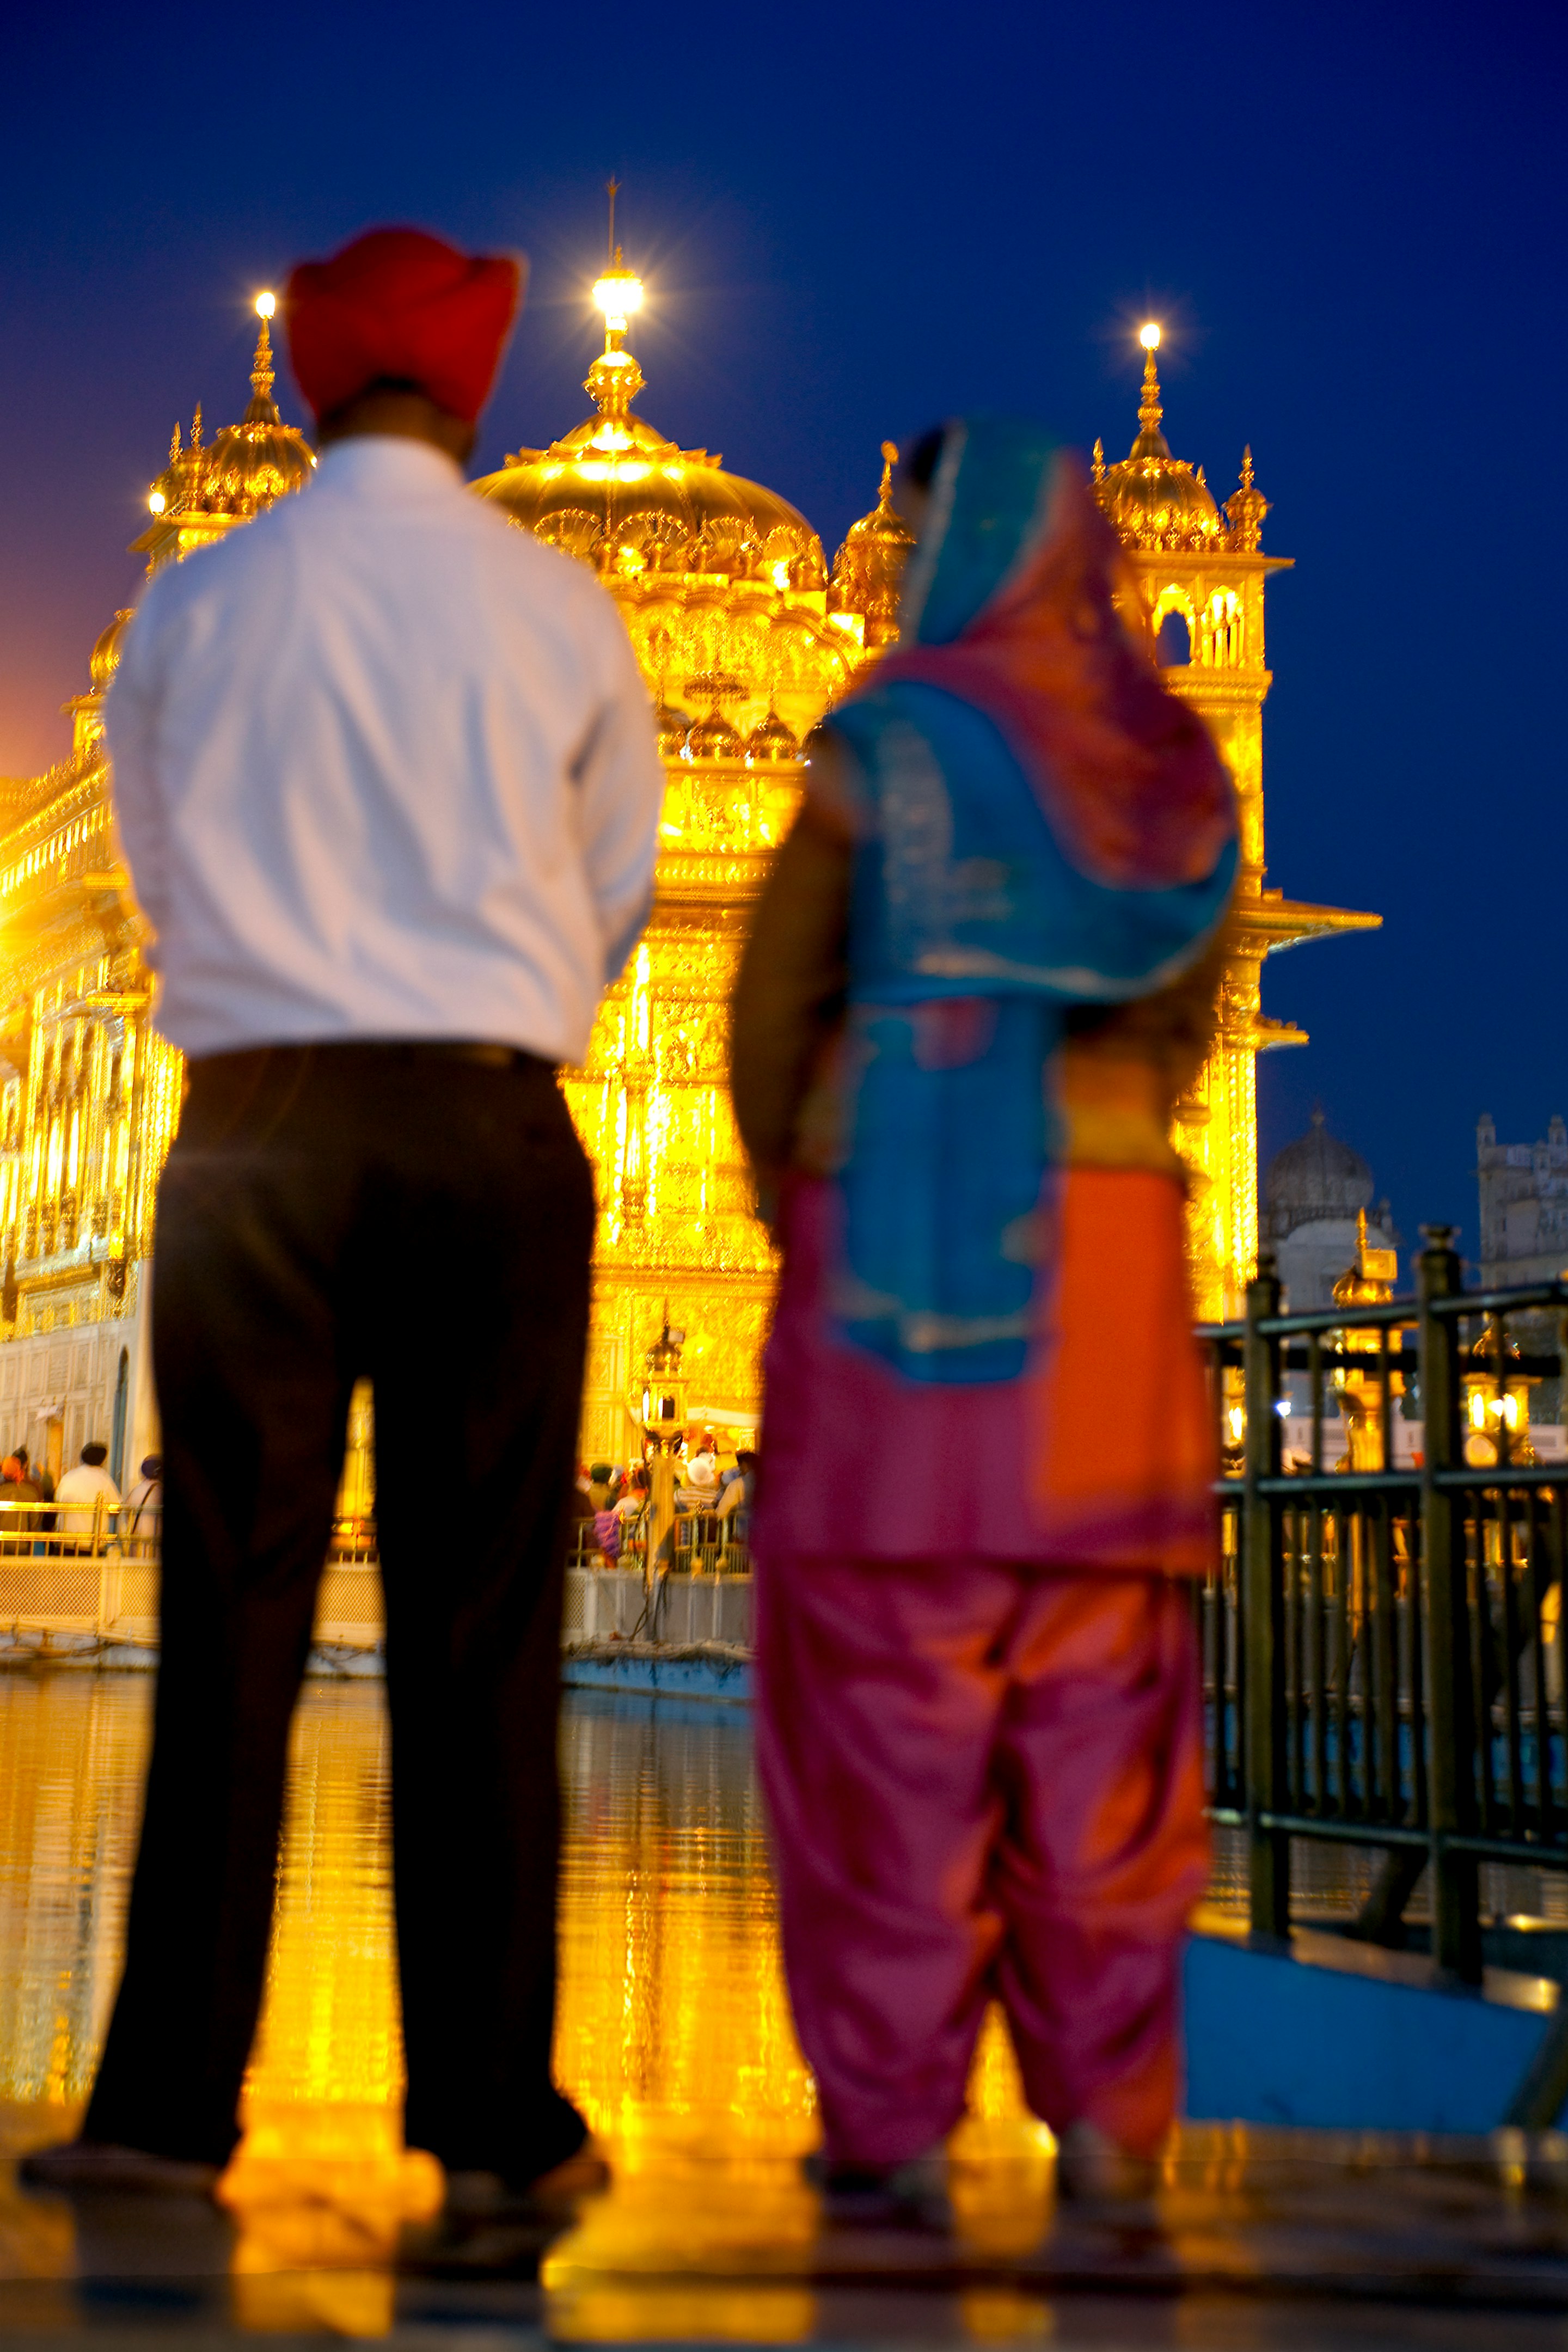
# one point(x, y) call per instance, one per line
point(1263, 1615)
point(1451, 1772)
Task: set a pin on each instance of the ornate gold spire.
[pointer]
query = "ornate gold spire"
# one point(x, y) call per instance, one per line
point(615, 380)
point(263, 409)
point(1246, 508)
point(1150, 441)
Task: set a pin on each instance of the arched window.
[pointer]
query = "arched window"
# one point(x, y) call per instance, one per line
point(1172, 646)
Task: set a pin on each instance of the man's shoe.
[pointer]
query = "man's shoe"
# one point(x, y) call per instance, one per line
point(548, 2195)
point(108, 2165)
point(908, 2196)
point(1093, 2169)
point(491, 2227)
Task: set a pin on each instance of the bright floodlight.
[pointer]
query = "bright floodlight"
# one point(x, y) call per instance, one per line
point(265, 304)
point(156, 501)
point(1149, 337)
point(618, 293)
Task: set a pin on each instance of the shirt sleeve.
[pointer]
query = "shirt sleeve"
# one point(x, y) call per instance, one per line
point(620, 789)
point(131, 731)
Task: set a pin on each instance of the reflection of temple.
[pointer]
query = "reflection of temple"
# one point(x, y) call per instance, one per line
point(744, 639)
point(1202, 573)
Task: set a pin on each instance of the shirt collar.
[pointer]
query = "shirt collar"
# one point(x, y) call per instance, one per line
point(386, 465)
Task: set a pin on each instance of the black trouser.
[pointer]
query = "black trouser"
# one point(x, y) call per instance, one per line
point(425, 1218)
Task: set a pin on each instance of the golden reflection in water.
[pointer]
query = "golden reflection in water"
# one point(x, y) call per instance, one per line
point(73, 1747)
point(673, 2032)
point(674, 2024)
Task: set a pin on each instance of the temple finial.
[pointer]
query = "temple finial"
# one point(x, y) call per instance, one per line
point(615, 378)
point(1245, 509)
point(1099, 459)
point(262, 372)
point(889, 459)
point(1150, 411)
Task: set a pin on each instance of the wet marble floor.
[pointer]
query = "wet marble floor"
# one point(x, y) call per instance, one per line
point(675, 2038)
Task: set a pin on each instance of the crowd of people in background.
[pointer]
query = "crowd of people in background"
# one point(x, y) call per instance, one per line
point(85, 1503)
point(615, 1497)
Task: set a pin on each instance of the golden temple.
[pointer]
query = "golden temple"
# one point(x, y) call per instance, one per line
point(744, 636)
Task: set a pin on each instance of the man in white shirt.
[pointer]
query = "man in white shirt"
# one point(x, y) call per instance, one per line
point(91, 1488)
point(387, 780)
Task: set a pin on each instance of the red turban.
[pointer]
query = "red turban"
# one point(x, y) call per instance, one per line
point(399, 303)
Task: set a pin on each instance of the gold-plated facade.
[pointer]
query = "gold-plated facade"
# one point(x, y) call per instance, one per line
point(1205, 566)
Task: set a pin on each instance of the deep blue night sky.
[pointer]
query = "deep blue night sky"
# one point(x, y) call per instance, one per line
point(856, 220)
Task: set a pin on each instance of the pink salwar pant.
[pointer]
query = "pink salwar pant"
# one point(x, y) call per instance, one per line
point(985, 1779)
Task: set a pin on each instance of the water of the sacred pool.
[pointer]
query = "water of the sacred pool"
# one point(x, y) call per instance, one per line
point(674, 2029)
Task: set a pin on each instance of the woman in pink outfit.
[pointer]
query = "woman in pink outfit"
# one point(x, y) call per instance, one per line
point(985, 968)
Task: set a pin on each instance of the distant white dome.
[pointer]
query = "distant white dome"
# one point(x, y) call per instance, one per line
point(1314, 1178)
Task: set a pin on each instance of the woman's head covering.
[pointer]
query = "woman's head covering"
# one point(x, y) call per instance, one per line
point(1014, 601)
point(10, 1469)
point(401, 307)
point(1040, 824)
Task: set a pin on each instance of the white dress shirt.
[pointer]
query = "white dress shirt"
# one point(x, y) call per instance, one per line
point(384, 766)
point(88, 1482)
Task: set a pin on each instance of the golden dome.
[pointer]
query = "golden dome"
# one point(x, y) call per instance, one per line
point(770, 739)
point(713, 737)
point(617, 495)
point(722, 585)
point(105, 657)
point(1153, 499)
point(246, 465)
point(868, 568)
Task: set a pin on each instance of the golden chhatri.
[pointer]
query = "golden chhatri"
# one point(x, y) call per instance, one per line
point(1205, 567)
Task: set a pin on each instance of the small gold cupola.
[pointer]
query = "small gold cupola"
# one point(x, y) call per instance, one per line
point(869, 567)
point(203, 490)
point(1156, 500)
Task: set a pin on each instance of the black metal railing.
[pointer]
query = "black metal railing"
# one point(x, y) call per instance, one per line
point(1383, 1642)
